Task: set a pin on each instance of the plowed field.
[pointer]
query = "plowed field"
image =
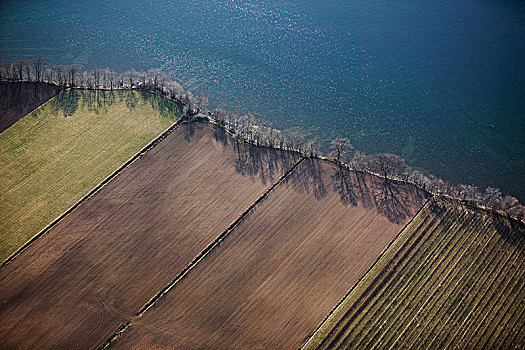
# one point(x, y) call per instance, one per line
point(284, 267)
point(75, 285)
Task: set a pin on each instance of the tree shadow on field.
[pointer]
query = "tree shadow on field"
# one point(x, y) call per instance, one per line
point(189, 130)
point(393, 200)
point(397, 201)
point(166, 107)
point(343, 185)
point(512, 231)
point(97, 101)
point(220, 135)
point(266, 163)
point(66, 102)
point(309, 178)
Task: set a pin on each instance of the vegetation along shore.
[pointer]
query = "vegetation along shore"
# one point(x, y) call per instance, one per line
point(252, 129)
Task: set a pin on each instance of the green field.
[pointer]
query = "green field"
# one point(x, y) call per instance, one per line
point(52, 157)
point(453, 278)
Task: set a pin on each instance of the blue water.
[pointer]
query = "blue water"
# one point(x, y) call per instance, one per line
point(439, 82)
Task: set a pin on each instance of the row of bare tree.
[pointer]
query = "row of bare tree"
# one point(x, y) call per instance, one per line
point(249, 128)
point(393, 166)
point(155, 80)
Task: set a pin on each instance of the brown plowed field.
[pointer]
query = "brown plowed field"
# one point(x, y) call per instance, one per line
point(75, 285)
point(18, 99)
point(284, 267)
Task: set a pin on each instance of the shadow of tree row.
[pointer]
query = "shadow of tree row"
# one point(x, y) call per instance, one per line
point(396, 201)
point(98, 101)
point(19, 98)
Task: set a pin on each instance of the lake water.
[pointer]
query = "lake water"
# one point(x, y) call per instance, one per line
point(438, 82)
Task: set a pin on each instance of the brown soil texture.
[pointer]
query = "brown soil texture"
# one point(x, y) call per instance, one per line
point(93, 271)
point(272, 281)
point(18, 99)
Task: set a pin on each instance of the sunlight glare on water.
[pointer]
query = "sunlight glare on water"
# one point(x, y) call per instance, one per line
point(439, 82)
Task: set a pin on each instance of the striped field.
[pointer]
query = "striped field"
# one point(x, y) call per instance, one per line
point(453, 279)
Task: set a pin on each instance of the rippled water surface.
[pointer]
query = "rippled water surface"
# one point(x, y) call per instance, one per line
point(439, 82)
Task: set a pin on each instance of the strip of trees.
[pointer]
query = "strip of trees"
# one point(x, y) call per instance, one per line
point(252, 129)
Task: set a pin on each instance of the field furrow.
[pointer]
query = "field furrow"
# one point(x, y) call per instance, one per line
point(423, 290)
point(429, 335)
point(361, 309)
point(461, 287)
point(388, 301)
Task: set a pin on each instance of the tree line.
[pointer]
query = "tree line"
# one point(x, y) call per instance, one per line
point(252, 129)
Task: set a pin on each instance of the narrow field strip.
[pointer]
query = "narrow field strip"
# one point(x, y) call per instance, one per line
point(464, 288)
point(197, 259)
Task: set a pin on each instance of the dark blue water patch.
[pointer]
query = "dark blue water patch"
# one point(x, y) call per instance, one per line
point(439, 82)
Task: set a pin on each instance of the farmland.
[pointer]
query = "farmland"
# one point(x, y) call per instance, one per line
point(104, 261)
point(273, 279)
point(53, 156)
point(18, 99)
point(454, 278)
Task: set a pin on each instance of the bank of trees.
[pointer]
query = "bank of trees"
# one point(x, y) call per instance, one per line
point(393, 166)
point(249, 128)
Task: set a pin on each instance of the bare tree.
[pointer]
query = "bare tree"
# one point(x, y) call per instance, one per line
point(5, 69)
point(360, 161)
point(340, 146)
point(201, 101)
point(517, 211)
point(38, 67)
point(153, 77)
point(110, 78)
point(189, 105)
point(27, 68)
point(60, 75)
point(416, 177)
point(131, 76)
point(18, 68)
point(508, 203)
point(72, 73)
point(311, 148)
point(492, 197)
point(388, 164)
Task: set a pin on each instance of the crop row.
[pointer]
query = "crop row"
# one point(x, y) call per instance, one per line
point(456, 281)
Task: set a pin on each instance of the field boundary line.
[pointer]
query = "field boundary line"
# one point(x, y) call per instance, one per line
point(94, 190)
point(306, 344)
point(114, 336)
point(215, 242)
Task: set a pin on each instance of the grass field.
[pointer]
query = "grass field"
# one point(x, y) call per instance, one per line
point(284, 267)
point(453, 279)
point(104, 261)
point(53, 156)
point(18, 99)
